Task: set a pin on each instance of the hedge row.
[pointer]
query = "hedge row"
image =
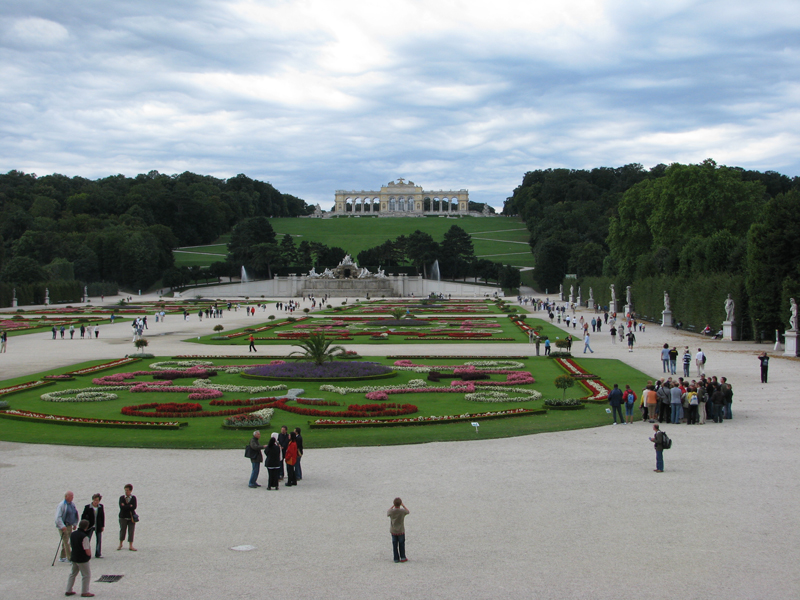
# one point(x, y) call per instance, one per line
point(697, 301)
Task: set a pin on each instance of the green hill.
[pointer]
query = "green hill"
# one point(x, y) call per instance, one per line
point(499, 239)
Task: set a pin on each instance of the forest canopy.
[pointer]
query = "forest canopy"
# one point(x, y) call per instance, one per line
point(122, 229)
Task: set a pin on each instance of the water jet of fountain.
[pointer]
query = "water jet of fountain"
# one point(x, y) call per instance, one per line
point(435, 274)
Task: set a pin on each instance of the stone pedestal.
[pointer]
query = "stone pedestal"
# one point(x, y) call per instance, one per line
point(579, 301)
point(612, 307)
point(14, 303)
point(729, 331)
point(791, 343)
point(590, 304)
point(666, 318)
point(571, 299)
point(628, 309)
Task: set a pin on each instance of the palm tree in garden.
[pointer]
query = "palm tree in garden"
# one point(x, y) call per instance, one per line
point(317, 349)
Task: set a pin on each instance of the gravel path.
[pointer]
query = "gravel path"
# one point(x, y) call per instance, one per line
point(576, 514)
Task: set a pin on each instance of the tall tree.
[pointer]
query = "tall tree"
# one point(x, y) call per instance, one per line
point(422, 250)
point(288, 250)
point(456, 251)
point(246, 236)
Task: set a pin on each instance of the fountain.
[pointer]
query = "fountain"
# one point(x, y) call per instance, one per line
point(435, 274)
point(244, 275)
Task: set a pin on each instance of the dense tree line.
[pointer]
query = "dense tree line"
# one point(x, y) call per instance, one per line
point(455, 254)
point(678, 223)
point(118, 228)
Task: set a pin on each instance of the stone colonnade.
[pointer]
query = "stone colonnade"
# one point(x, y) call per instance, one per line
point(402, 199)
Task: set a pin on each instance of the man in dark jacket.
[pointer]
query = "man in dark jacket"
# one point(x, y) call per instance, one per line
point(81, 555)
point(283, 442)
point(299, 441)
point(255, 458)
point(615, 400)
point(96, 515)
point(658, 442)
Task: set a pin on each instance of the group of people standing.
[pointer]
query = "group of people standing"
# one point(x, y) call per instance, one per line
point(681, 401)
point(283, 454)
point(85, 330)
point(76, 535)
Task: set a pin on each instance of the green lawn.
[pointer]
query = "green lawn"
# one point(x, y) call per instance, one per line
point(500, 239)
point(206, 432)
point(507, 331)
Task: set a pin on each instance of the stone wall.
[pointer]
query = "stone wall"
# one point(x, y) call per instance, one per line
point(392, 286)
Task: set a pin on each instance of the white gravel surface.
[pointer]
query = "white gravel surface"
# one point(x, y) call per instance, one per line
point(576, 514)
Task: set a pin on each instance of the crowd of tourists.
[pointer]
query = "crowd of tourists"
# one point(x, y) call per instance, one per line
point(283, 453)
point(675, 400)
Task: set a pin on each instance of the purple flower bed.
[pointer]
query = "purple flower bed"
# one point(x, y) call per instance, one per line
point(330, 370)
point(398, 323)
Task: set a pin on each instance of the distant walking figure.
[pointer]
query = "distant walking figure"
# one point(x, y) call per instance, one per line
point(586, 345)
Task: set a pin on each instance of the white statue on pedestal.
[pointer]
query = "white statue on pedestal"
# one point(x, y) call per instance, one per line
point(613, 294)
point(571, 291)
point(729, 308)
point(591, 294)
point(666, 302)
point(628, 295)
point(313, 273)
point(793, 318)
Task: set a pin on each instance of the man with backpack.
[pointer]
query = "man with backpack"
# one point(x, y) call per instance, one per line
point(661, 443)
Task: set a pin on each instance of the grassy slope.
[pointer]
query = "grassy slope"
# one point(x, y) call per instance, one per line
point(500, 239)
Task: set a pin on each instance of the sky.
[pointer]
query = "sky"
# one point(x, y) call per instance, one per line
point(319, 95)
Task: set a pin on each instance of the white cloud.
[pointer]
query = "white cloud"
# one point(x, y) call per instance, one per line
point(314, 95)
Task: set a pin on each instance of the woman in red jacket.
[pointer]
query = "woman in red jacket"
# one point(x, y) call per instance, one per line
point(291, 459)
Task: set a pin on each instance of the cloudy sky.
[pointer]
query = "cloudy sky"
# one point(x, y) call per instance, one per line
point(319, 95)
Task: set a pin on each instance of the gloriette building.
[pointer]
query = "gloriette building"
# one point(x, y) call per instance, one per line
point(402, 199)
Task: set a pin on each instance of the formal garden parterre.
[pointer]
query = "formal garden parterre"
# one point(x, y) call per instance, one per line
point(378, 329)
point(206, 403)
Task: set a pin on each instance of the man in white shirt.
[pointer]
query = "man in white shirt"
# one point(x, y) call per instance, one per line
point(700, 361)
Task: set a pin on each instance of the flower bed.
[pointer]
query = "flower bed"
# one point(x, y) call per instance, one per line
point(434, 420)
point(598, 392)
point(259, 418)
point(22, 387)
point(104, 366)
point(82, 395)
point(152, 410)
point(568, 404)
point(25, 415)
point(325, 372)
point(316, 402)
point(239, 389)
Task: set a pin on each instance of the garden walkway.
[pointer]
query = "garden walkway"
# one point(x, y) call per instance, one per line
point(577, 514)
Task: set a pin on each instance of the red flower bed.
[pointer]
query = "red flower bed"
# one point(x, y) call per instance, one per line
point(150, 410)
point(178, 407)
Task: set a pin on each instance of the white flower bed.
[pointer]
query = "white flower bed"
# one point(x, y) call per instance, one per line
point(238, 389)
point(180, 365)
point(414, 383)
point(505, 365)
point(265, 414)
point(96, 394)
point(502, 396)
